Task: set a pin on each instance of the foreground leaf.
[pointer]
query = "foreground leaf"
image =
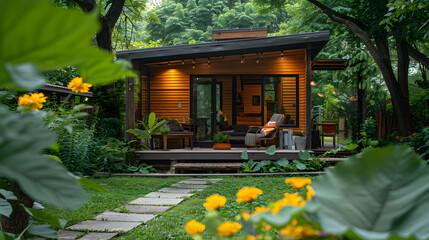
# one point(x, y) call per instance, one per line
point(43, 231)
point(22, 140)
point(376, 194)
point(5, 208)
point(44, 217)
point(271, 150)
point(85, 182)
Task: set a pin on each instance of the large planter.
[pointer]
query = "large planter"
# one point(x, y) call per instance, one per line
point(222, 146)
point(299, 142)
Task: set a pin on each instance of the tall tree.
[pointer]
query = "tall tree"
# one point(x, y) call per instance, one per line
point(363, 18)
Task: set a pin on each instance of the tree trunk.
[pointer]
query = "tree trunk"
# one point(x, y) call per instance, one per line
point(104, 36)
point(18, 220)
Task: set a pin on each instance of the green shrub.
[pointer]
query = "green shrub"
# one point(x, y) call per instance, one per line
point(370, 127)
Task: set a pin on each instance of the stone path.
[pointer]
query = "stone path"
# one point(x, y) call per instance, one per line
point(108, 224)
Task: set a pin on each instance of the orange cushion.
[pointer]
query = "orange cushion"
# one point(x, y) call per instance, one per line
point(269, 128)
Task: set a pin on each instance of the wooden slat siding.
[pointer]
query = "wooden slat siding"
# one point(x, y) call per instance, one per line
point(170, 84)
point(226, 96)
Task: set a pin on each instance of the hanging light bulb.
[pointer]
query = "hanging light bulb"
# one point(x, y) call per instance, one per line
point(193, 63)
point(283, 54)
point(242, 59)
point(183, 61)
point(169, 63)
point(209, 62)
point(313, 83)
point(257, 59)
point(262, 55)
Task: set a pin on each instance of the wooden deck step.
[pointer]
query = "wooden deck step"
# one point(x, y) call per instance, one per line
point(332, 159)
point(207, 166)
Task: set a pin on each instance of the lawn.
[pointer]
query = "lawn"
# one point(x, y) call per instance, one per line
point(169, 225)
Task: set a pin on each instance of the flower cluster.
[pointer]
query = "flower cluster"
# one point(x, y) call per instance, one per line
point(261, 227)
point(32, 102)
point(78, 86)
point(248, 194)
point(220, 137)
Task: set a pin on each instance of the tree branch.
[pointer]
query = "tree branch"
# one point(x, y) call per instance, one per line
point(86, 6)
point(403, 66)
point(418, 56)
point(114, 12)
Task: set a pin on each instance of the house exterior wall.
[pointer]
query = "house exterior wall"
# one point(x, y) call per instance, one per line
point(170, 84)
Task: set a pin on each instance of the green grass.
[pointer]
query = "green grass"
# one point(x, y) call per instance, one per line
point(170, 225)
point(121, 191)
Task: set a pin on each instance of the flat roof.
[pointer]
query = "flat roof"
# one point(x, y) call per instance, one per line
point(240, 30)
point(317, 40)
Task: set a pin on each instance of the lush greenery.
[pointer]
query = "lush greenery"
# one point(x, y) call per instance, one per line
point(220, 137)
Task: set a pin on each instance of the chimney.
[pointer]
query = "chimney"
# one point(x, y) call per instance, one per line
point(239, 33)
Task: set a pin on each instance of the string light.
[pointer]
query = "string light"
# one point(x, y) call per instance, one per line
point(183, 62)
point(313, 83)
point(283, 54)
point(242, 59)
point(257, 59)
point(193, 63)
point(169, 63)
point(209, 62)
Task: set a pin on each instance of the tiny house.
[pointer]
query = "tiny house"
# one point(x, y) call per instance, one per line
point(242, 77)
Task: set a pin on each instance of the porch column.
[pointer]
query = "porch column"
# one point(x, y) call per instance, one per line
point(129, 105)
point(308, 98)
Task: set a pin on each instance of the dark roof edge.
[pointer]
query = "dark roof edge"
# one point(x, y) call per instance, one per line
point(239, 30)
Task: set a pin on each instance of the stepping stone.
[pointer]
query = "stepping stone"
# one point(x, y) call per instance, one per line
point(67, 235)
point(124, 217)
point(200, 181)
point(98, 236)
point(104, 226)
point(178, 190)
point(167, 195)
point(189, 186)
point(146, 209)
point(157, 201)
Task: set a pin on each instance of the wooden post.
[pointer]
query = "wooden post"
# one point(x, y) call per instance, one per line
point(308, 98)
point(129, 105)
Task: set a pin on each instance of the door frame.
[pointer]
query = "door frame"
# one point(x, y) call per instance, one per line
point(213, 100)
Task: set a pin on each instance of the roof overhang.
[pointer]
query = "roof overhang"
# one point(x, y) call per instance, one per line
point(329, 64)
point(315, 41)
point(60, 89)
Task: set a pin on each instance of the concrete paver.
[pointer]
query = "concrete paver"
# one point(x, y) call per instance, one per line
point(124, 217)
point(177, 190)
point(146, 209)
point(156, 201)
point(98, 236)
point(104, 226)
point(67, 235)
point(189, 186)
point(168, 195)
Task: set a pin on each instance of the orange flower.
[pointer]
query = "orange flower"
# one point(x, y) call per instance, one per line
point(215, 201)
point(193, 227)
point(310, 193)
point(289, 200)
point(228, 228)
point(33, 102)
point(78, 86)
point(298, 232)
point(298, 182)
point(248, 194)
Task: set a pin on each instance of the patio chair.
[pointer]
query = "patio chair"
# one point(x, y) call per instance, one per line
point(328, 130)
point(263, 133)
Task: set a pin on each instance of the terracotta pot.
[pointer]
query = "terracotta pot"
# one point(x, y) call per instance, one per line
point(222, 146)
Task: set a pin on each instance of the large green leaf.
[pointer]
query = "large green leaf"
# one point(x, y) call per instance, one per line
point(43, 231)
point(22, 140)
point(45, 217)
point(5, 208)
point(271, 150)
point(85, 182)
point(51, 37)
point(377, 193)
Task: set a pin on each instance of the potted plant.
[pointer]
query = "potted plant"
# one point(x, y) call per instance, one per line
point(221, 141)
point(299, 140)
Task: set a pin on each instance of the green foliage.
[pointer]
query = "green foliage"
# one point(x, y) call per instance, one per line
point(142, 168)
point(151, 127)
point(394, 177)
point(370, 128)
point(220, 137)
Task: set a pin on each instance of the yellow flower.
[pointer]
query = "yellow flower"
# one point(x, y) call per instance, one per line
point(33, 102)
point(193, 227)
point(245, 216)
point(288, 200)
point(310, 192)
point(248, 194)
point(228, 228)
point(250, 238)
point(298, 232)
point(266, 226)
point(214, 202)
point(298, 182)
point(78, 86)
point(259, 210)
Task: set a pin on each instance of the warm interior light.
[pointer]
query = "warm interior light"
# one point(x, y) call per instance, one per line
point(242, 59)
point(183, 62)
point(193, 65)
point(283, 54)
point(313, 83)
point(320, 94)
point(169, 63)
point(209, 62)
point(257, 59)
point(354, 98)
